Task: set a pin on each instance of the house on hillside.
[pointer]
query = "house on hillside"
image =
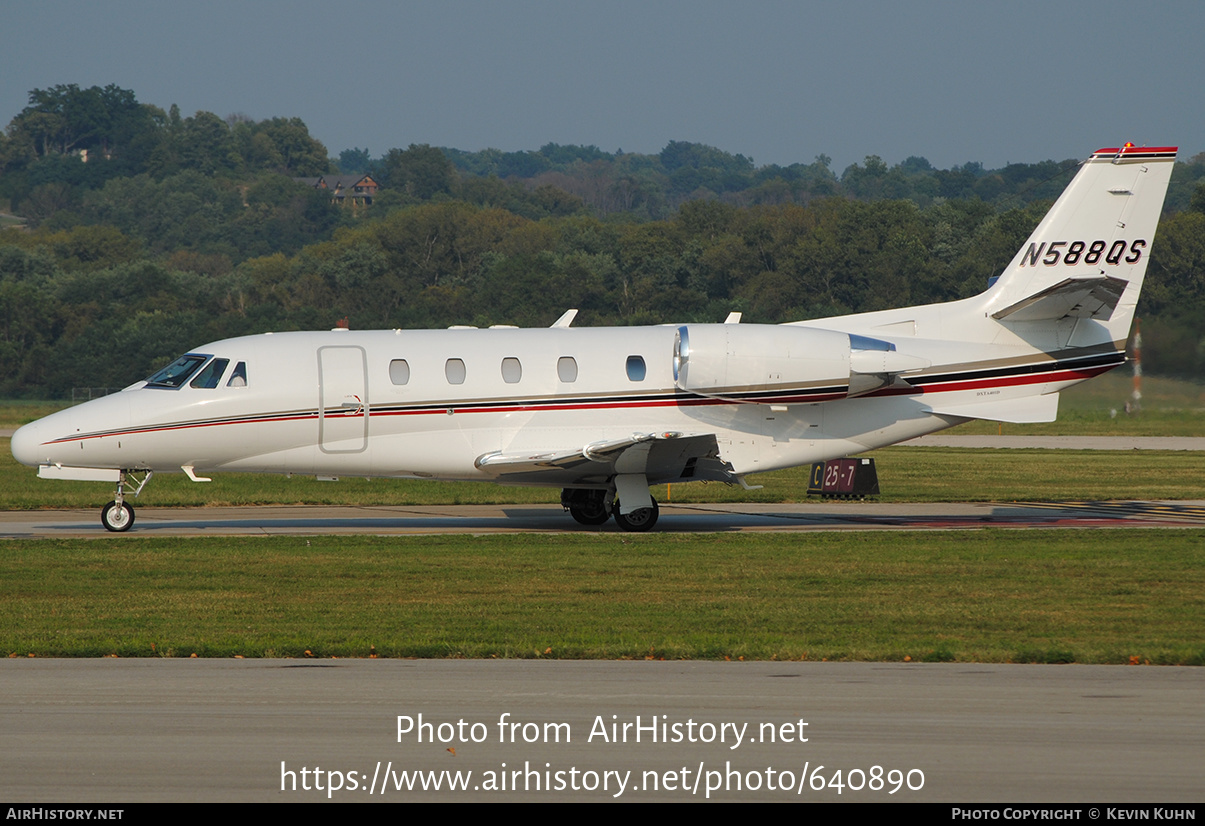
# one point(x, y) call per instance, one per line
point(345, 189)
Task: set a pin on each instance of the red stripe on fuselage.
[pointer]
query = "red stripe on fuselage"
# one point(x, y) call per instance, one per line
point(1010, 381)
point(937, 387)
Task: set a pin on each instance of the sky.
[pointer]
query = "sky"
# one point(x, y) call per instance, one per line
point(780, 82)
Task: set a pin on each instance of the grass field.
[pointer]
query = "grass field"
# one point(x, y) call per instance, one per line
point(1128, 596)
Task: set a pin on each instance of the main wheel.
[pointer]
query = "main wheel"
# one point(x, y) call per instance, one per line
point(589, 512)
point(587, 507)
point(638, 520)
point(117, 517)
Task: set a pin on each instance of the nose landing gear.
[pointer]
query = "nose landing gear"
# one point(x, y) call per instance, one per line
point(118, 515)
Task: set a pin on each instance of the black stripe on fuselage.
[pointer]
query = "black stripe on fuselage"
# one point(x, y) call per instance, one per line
point(680, 398)
point(1081, 362)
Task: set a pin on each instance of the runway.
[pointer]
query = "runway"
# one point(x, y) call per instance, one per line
point(245, 730)
point(709, 518)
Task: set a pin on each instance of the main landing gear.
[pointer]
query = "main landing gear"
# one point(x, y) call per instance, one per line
point(118, 515)
point(595, 507)
point(639, 520)
point(587, 507)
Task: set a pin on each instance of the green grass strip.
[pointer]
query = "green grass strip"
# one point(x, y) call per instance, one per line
point(906, 474)
point(983, 596)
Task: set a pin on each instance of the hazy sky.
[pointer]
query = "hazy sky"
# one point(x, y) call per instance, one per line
point(778, 81)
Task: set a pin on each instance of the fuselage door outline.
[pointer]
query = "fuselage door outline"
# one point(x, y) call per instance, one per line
point(342, 399)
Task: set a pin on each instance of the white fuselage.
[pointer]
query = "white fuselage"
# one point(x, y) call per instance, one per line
point(329, 403)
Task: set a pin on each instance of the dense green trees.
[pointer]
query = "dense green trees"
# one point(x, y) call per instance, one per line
point(421, 171)
point(72, 298)
point(65, 118)
point(180, 230)
point(70, 140)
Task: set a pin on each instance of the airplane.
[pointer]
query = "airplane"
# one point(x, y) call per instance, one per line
point(603, 413)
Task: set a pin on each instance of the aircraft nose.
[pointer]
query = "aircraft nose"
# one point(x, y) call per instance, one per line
point(27, 445)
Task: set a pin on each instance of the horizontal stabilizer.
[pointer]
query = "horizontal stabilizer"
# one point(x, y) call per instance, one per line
point(1094, 297)
point(1025, 409)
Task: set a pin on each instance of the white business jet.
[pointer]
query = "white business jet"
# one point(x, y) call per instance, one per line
point(604, 413)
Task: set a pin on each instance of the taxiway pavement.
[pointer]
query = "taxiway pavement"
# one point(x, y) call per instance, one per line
point(244, 730)
point(480, 519)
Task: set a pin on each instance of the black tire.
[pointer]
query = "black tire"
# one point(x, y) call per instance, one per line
point(587, 507)
point(590, 514)
point(639, 520)
point(117, 518)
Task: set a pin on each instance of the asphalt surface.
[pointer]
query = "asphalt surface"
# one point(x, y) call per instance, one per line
point(481, 519)
point(238, 730)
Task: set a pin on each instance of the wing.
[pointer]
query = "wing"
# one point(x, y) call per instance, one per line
point(660, 457)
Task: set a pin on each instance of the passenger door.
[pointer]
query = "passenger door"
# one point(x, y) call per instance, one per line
point(342, 399)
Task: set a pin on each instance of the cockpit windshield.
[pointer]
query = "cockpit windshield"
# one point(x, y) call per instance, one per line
point(175, 374)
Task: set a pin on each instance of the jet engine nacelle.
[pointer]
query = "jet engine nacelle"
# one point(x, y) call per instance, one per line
point(783, 364)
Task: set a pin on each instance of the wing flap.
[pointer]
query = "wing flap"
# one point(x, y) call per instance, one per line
point(661, 457)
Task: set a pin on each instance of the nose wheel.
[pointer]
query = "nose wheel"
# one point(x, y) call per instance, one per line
point(117, 516)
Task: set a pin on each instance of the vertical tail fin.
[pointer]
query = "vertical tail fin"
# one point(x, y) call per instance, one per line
point(1088, 256)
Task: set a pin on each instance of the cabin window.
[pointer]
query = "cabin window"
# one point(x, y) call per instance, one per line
point(636, 369)
point(211, 376)
point(399, 371)
point(566, 369)
point(238, 376)
point(454, 370)
point(179, 371)
point(512, 370)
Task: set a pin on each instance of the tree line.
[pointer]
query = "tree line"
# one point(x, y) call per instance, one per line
point(164, 239)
